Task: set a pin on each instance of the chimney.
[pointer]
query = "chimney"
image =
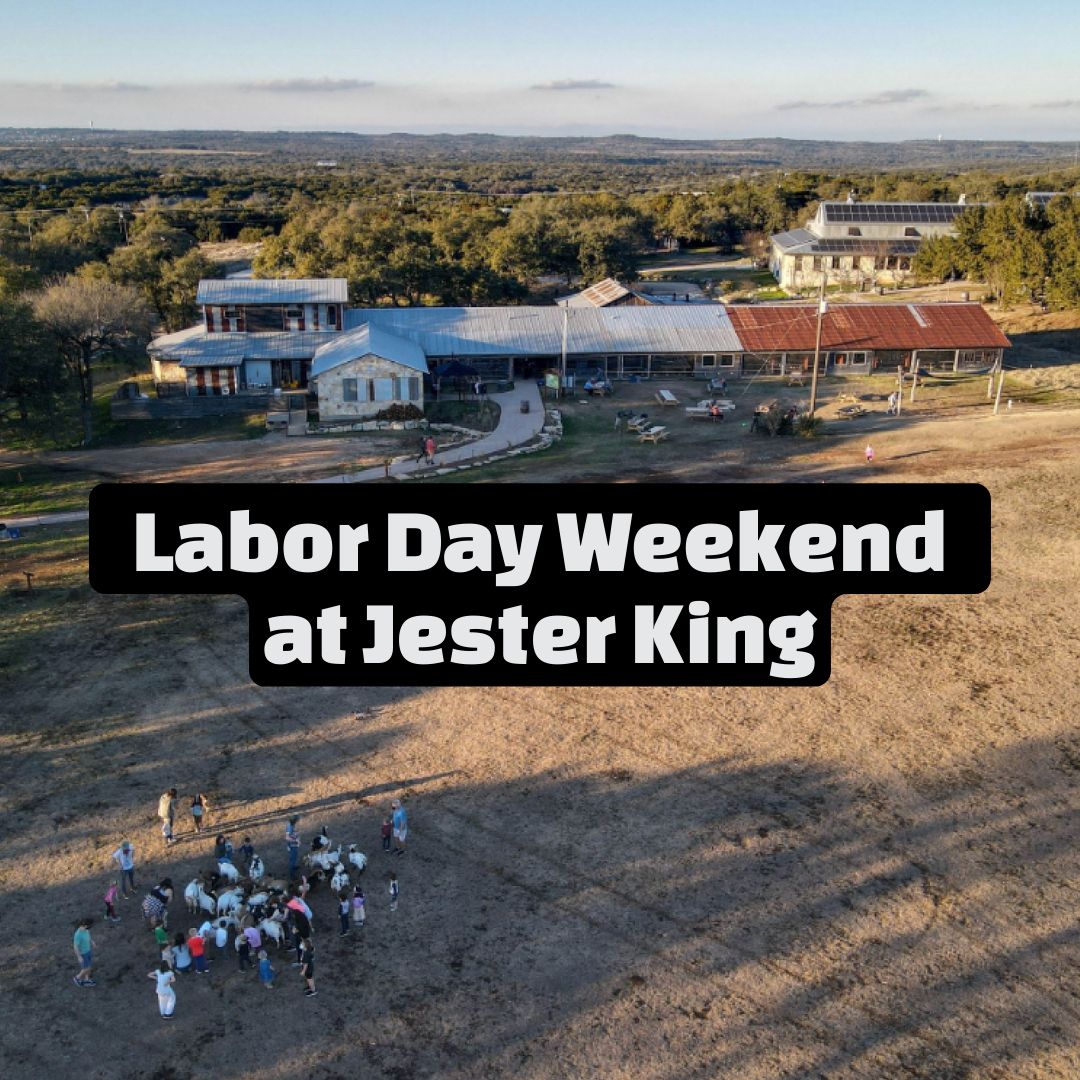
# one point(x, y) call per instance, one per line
point(962, 201)
point(850, 197)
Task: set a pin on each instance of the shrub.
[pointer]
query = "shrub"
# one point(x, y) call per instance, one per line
point(807, 426)
point(399, 412)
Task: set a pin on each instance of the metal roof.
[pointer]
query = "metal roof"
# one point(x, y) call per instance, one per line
point(273, 291)
point(803, 242)
point(603, 293)
point(537, 331)
point(368, 340)
point(1042, 198)
point(888, 213)
point(194, 347)
point(792, 328)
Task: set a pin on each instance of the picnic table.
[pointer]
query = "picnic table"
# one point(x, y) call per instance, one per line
point(666, 397)
point(796, 380)
point(653, 435)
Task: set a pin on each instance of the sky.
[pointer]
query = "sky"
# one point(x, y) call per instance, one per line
point(714, 69)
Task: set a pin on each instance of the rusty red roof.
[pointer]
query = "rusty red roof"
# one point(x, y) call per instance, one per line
point(791, 328)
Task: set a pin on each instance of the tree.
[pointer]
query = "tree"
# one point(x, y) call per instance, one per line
point(32, 375)
point(91, 320)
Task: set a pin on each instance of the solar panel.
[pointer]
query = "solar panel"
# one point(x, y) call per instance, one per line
point(892, 213)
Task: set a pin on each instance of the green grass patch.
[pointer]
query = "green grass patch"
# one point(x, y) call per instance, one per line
point(43, 489)
point(477, 415)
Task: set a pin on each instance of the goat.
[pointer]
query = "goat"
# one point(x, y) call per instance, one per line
point(321, 840)
point(340, 880)
point(196, 899)
point(229, 901)
point(272, 930)
point(228, 871)
point(357, 858)
point(324, 860)
point(257, 869)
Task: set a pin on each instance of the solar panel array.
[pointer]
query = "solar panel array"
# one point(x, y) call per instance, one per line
point(828, 246)
point(892, 213)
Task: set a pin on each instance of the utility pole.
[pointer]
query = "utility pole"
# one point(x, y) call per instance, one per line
point(562, 365)
point(817, 345)
point(1001, 383)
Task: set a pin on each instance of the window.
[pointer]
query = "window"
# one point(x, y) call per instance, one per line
point(331, 315)
point(232, 313)
point(911, 231)
point(819, 263)
point(727, 359)
point(408, 389)
point(384, 389)
point(854, 230)
point(294, 313)
point(708, 361)
point(348, 390)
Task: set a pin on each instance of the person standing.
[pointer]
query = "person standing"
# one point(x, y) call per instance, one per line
point(200, 806)
point(266, 972)
point(429, 449)
point(401, 827)
point(112, 894)
point(166, 811)
point(395, 892)
point(359, 914)
point(84, 950)
point(247, 853)
point(344, 910)
point(307, 966)
point(166, 995)
point(243, 951)
point(387, 833)
point(125, 859)
point(196, 944)
point(292, 844)
point(869, 454)
point(423, 450)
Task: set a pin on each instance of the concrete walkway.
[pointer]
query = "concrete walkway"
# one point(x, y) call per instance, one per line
point(515, 428)
point(44, 519)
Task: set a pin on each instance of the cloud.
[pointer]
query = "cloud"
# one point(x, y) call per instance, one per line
point(106, 87)
point(1064, 103)
point(574, 84)
point(884, 97)
point(307, 86)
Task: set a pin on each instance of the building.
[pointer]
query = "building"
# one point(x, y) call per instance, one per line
point(256, 334)
point(779, 339)
point(606, 293)
point(363, 371)
point(858, 243)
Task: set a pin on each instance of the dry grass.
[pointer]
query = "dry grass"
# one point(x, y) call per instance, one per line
point(875, 878)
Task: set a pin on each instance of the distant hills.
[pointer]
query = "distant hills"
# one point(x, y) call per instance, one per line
point(30, 148)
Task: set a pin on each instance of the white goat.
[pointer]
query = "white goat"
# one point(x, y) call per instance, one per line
point(340, 880)
point(321, 841)
point(229, 901)
point(196, 899)
point(324, 860)
point(257, 870)
point(228, 871)
point(272, 930)
point(357, 858)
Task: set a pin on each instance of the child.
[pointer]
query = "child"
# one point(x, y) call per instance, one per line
point(167, 956)
point(161, 936)
point(181, 956)
point(221, 934)
point(266, 972)
point(344, 906)
point(359, 914)
point(111, 896)
point(166, 833)
point(387, 832)
point(196, 944)
point(869, 454)
point(247, 852)
point(394, 892)
point(243, 952)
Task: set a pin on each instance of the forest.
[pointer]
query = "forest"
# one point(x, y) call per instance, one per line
point(93, 261)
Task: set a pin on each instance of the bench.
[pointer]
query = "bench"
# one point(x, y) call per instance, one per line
point(653, 435)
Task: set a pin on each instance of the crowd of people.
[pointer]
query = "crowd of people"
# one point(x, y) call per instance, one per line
point(282, 916)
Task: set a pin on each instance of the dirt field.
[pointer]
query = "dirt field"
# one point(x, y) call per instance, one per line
point(877, 878)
